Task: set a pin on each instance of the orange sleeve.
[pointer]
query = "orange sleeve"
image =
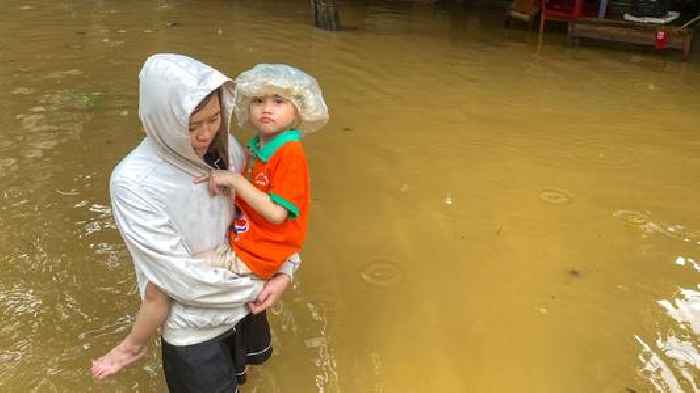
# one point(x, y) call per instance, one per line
point(289, 186)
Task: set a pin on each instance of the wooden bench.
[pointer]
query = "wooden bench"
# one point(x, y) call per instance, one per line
point(678, 37)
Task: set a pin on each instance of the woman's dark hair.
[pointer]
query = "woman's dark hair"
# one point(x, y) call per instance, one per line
point(205, 100)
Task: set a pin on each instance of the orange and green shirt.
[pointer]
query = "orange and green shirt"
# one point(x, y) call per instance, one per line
point(279, 169)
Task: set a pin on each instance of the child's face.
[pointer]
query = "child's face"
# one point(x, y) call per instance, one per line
point(272, 114)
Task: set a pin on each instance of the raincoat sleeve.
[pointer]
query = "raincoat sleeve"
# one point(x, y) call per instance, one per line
point(160, 254)
point(290, 266)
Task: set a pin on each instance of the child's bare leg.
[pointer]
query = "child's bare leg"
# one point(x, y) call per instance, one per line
point(152, 314)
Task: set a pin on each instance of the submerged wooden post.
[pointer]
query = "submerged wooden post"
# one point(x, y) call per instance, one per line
point(325, 14)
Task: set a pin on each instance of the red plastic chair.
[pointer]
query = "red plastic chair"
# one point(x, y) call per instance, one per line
point(560, 10)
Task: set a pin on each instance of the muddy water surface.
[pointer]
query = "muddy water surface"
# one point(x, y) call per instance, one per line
point(488, 216)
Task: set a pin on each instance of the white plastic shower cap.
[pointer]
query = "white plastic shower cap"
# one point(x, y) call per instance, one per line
point(291, 83)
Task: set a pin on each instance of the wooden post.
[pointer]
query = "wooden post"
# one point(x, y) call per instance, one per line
point(325, 14)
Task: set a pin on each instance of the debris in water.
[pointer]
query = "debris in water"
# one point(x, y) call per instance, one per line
point(575, 273)
point(448, 199)
point(680, 261)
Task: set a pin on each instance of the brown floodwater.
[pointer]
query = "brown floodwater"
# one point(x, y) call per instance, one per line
point(488, 215)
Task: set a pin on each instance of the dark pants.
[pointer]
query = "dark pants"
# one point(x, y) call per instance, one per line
point(217, 365)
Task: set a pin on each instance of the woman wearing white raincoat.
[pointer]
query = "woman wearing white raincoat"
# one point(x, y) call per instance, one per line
point(165, 219)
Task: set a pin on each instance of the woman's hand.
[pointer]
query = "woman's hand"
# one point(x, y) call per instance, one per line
point(272, 291)
point(218, 182)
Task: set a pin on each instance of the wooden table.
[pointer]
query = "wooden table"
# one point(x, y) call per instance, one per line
point(679, 37)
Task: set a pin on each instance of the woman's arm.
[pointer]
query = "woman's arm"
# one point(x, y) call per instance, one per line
point(159, 253)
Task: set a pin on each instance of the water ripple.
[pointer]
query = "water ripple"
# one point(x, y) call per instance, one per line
point(381, 273)
point(556, 196)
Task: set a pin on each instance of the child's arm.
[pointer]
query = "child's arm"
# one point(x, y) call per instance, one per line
point(219, 181)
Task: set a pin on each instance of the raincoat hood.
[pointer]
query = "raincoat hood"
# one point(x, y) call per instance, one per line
point(171, 86)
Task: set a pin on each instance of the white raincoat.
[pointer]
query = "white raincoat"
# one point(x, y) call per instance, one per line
point(165, 218)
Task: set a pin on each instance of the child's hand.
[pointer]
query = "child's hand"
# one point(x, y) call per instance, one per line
point(218, 182)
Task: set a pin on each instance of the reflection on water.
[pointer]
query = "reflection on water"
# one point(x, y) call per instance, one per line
point(487, 216)
point(648, 227)
point(672, 362)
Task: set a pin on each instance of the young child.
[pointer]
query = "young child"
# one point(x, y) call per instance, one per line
point(281, 104)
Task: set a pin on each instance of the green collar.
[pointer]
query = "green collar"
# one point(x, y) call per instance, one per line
point(273, 144)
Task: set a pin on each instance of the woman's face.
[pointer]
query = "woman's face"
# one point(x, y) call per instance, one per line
point(204, 124)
